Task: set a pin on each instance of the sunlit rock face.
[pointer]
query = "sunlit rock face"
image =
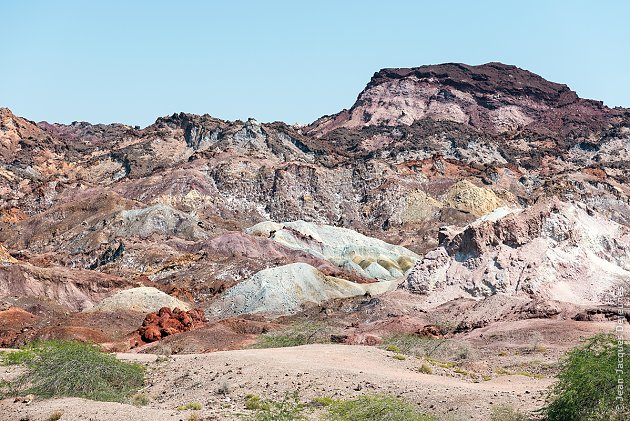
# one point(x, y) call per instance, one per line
point(368, 257)
point(554, 250)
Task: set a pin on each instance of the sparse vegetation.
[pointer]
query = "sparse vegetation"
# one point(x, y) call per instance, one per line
point(69, 368)
point(393, 348)
point(140, 399)
point(504, 372)
point(193, 417)
point(253, 402)
point(399, 357)
point(5, 388)
point(374, 408)
point(16, 357)
point(367, 407)
point(193, 406)
point(55, 416)
point(507, 413)
point(587, 386)
point(301, 333)
point(288, 409)
point(426, 369)
point(323, 401)
point(439, 363)
point(422, 346)
point(461, 371)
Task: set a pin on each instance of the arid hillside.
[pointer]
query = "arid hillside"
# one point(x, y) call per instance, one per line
point(448, 200)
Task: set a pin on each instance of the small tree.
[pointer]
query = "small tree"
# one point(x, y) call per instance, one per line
point(589, 381)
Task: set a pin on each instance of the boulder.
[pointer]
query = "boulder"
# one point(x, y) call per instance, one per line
point(166, 322)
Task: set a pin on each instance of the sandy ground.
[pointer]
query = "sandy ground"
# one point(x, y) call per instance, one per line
point(340, 371)
point(219, 381)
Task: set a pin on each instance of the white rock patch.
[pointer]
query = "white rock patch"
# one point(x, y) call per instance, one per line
point(286, 289)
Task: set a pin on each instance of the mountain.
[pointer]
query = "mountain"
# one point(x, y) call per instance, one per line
point(442, 163)
point(493, 97)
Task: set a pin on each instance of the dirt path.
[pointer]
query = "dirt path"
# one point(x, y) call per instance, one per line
point(339, 371)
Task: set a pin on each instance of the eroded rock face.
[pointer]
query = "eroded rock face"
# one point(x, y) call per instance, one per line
point(88, 210)
point(356, 253)
point(140, 299)
point(287, 289)
point(75, 289)
point(5, 257)
point(553, 250)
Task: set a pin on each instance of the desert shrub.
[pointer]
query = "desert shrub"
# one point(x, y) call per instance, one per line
point(422, 346)
point(301, 333)
point(393, 348)
point(253, 402)
point(507, 413)
point(504, 372)
point(587, 383)
point(5, 389)
point(288, 409)
point(439, 363)
point(323, 401)
point(140, 399)
point(224, 389)
point(193, 406)
point(536, 343)
point(70, 368)
point(55, 416)
point(426, 369)
point(374, 408)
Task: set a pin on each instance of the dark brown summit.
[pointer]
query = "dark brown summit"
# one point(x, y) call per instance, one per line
point(493, 98)
point(490, 78)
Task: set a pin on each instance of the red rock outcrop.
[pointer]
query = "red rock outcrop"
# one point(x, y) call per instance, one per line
point(168, 322)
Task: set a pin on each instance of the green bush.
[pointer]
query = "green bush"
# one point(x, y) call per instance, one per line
point(426, 369)
point(587, 383)
point(322, 401)
point(375, 408)
point(253, 402)
point(301, 333)
point(69, 368)
point(16, 357)
point(392, 348)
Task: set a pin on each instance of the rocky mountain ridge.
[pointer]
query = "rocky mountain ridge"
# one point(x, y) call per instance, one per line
point(90, 210)
point(492, 97)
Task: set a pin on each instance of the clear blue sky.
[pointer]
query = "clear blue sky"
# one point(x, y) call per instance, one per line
point(132, 61)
